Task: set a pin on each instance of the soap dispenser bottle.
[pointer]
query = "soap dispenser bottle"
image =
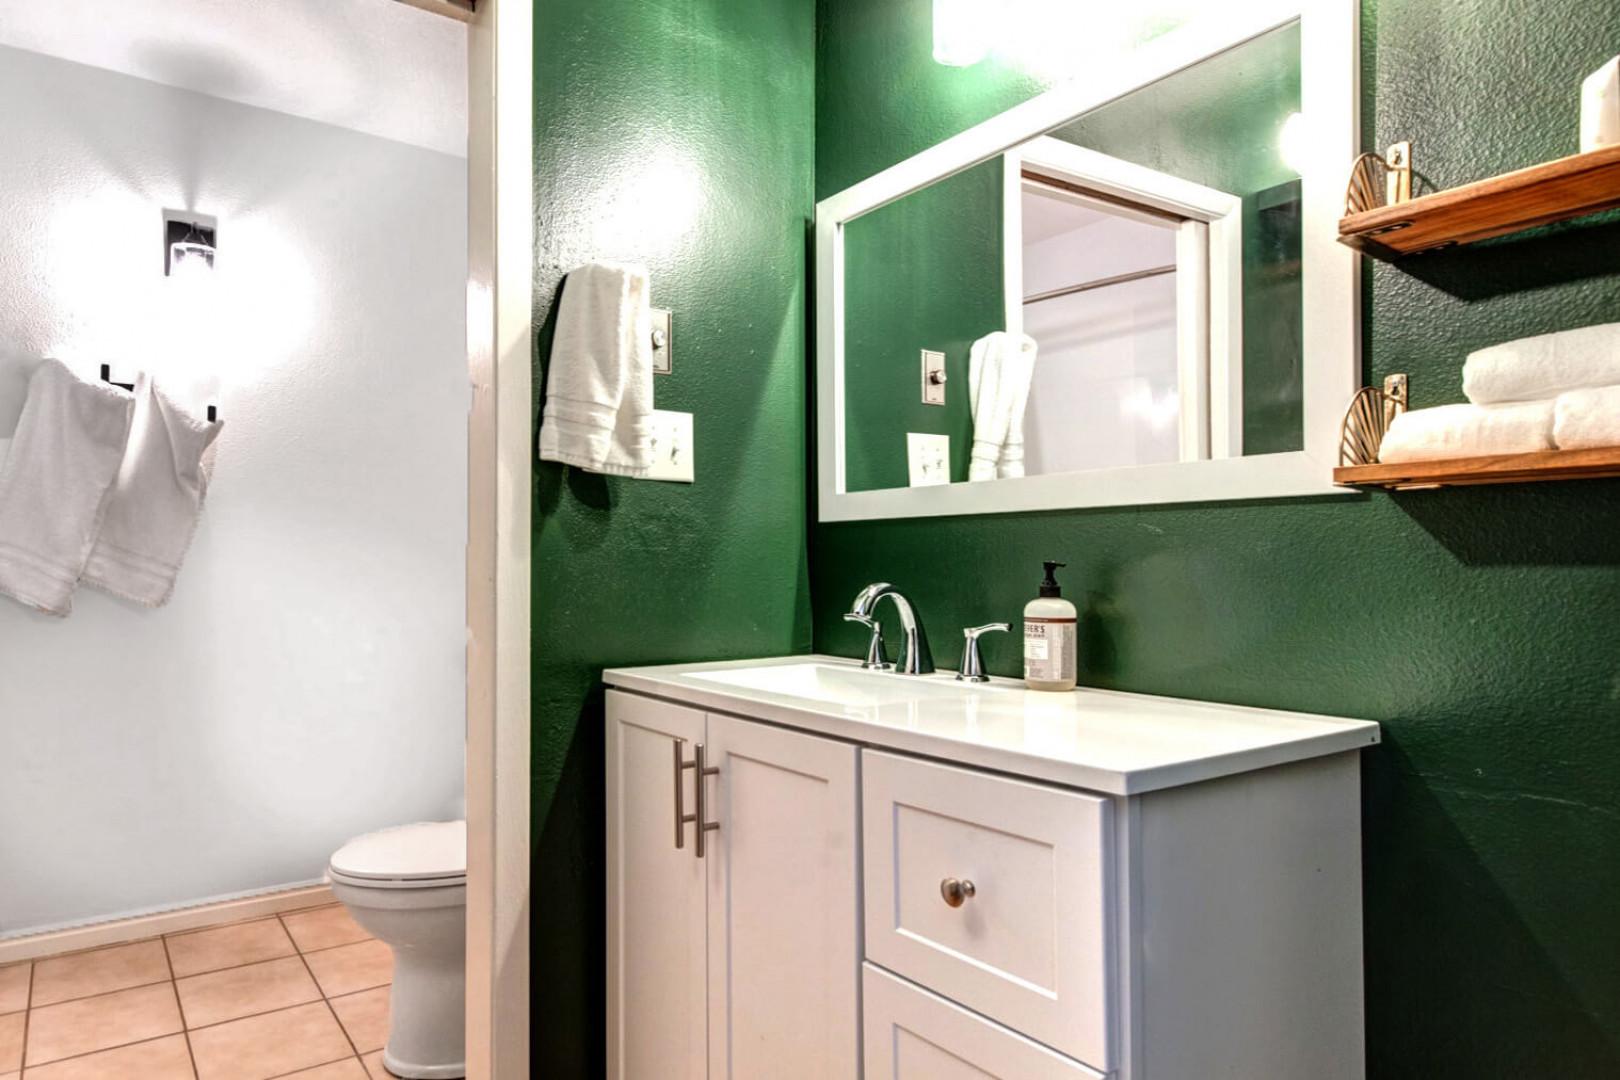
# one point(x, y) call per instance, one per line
point(1051, 629)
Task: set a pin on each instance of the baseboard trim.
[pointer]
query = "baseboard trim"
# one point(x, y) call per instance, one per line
point(118, 931)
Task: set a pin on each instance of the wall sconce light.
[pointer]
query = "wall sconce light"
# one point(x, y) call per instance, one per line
point(188, 244)
point(961, 32)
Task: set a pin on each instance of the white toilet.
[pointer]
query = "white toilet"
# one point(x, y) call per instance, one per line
point(408, 887)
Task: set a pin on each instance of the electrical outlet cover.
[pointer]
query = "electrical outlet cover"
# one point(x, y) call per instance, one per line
point(672, 446)
point(929, 457)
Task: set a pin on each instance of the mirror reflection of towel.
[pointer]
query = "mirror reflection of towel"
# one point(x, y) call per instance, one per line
point(1000, 367)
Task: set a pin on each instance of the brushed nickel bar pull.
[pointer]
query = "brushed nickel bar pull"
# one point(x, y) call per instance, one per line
point(704, 826)
point(682, 818)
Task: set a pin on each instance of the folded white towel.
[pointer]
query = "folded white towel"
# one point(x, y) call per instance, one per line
point(1537, 368)
point(599, 394)
point(1600, 107)
point(54, 485)
point(1585, 419)
point(1000, 368)
point(1460, 431)
point(155, 503)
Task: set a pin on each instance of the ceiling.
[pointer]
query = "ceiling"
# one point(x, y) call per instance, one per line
point(375, 66)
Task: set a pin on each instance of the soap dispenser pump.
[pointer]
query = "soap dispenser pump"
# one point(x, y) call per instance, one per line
point(1051, 632)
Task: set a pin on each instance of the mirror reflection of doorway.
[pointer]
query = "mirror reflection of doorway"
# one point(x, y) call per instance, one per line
point(1100, 299)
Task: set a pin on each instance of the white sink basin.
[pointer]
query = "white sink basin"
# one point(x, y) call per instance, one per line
point(842, 686)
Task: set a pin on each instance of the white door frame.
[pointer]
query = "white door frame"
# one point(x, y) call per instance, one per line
point(500, 268)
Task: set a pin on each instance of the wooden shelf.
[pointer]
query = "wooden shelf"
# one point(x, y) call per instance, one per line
point(1567, 188)
point(1493, 469)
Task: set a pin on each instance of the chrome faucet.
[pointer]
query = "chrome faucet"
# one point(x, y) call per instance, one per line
point(915, 659)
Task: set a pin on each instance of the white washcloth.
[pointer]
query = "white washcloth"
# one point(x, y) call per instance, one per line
point(1535, 368)
point(1460, 431)
point(599, 394)
point(1000, 367)
point(1585, 419)
point(54, 485)
point(155, 503)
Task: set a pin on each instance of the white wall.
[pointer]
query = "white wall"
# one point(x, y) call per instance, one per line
point(306, 682)
point(367, 65)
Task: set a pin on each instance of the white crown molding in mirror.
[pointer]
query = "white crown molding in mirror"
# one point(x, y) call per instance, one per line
point(1329, 99)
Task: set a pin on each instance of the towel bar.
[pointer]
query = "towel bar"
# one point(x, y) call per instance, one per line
point(106, 377)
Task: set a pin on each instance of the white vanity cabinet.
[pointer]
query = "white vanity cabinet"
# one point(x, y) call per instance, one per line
point(743, 963)
point(912, 879)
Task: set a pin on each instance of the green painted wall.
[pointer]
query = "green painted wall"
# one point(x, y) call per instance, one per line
point(1481, 627)
point(691, 120)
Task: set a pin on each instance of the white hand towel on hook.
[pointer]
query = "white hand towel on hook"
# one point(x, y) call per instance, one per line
point(1000, 367)
point(599, 395)
point(156, 502)
point(55, 482)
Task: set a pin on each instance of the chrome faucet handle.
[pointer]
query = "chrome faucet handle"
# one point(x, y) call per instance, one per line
point(972, 669)
point(876, 658)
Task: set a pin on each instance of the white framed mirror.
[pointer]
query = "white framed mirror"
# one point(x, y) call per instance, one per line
point(1127, 290)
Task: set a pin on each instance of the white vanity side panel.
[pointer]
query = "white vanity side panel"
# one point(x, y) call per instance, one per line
point(656, 922)
point(784, 904)
point(1248, 926)
point(912, 1034)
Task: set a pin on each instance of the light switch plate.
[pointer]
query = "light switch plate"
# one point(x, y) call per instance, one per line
point(929, 458)
point(663, 342)
point(933, 377)
point(672, 446)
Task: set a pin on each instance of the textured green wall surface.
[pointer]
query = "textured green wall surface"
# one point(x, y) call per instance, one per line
point(1480, 626)
point(678, 133)
point(923, 272)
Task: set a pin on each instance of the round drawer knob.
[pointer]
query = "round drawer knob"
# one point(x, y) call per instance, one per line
point(956, 892)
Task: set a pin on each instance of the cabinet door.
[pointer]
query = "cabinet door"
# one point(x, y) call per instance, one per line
point(784, 962)
point(655, 897)
point(914, 1035)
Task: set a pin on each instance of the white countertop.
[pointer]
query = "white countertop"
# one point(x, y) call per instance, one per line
point(1107, 741)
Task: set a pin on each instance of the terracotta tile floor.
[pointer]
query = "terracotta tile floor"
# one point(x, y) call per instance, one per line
point(302, 995)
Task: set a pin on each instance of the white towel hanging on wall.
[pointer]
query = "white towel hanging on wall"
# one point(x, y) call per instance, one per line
point(156, 502)
point(599, 394)
point(66, 454)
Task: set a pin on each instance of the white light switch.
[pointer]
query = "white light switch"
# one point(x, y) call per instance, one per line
point(672, 446)
point(929, 457)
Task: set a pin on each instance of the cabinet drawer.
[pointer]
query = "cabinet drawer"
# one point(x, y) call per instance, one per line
point(1030, 947)
point(914, 1035)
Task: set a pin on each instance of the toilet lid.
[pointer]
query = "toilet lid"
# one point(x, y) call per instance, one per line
point(430, 850)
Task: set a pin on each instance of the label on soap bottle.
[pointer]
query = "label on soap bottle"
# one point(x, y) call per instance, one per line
point(1049, 649)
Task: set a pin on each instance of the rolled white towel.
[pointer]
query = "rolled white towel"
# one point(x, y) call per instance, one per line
point(1460, 431)
point(1537, 368)
point(1583, 419)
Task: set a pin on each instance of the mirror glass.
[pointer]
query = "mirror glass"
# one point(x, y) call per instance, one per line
point(1124, 290)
